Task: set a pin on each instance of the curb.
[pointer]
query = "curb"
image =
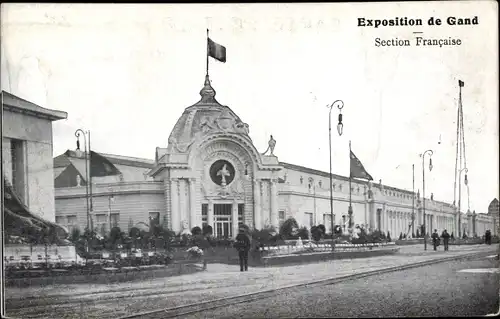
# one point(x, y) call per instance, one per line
point(222, 302)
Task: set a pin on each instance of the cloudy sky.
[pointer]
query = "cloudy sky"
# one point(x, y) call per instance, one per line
point(127, 72)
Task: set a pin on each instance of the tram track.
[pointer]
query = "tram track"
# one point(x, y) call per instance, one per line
point(35, 306)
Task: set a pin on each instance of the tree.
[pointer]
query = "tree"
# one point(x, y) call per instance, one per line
point(75, 235)
point(317, 233)
point(288, 228)
point(389, 236)
point(135, 233)
point(115, 236)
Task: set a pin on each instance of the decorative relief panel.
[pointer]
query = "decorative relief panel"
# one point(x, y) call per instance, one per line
point(222, 168)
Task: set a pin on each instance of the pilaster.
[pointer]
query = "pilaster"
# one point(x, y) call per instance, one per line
point(235, 218)
point(274, 204)
point(174, 190)
point(257, 205)
point(192, 204)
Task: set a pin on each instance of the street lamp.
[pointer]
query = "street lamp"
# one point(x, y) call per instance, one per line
point(340, 129)
point(423, 191)
point(460, 198)
point(88, 182)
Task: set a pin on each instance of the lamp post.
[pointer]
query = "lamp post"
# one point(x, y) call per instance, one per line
point(423, 191)
point(460, 198)
point(340, 128)
point(88, 185)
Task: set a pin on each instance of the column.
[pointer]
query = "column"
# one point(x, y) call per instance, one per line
point(274, 204)
point(256, 210)
point(168, 202)
point(192, 204)
point(174, 191)
point(210, 213)
point(182, 202)
point(235, 218)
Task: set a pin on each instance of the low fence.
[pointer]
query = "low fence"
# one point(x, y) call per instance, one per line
point(323, 246)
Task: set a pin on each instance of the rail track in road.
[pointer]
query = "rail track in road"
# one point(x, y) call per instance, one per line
point(228, 301)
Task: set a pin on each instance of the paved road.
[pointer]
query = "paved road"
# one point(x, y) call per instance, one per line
point(121, 299)
point(454, 288)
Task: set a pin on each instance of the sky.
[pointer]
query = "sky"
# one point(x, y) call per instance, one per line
point(127, 72)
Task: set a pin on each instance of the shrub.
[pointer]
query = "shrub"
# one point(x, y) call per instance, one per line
point(400, 236)
point(303, 233)
point(389, 239)
point(265, 236)
point(207, 230)
point(288, 228)
point(196, 231)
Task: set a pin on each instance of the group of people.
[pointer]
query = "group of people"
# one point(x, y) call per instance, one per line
point(436, 239)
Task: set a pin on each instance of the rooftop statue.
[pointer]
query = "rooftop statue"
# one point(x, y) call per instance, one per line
point(270, 148)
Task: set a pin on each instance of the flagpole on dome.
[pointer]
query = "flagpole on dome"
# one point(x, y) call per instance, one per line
point(208, 48)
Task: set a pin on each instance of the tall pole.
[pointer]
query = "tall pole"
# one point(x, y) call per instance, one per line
point(90, 184)
point(460, 201)
point(349, 212)
point(208, 49)
point(413, 201)
point(77, 134)
point(423, 193)
point(340, 105)
point(331, 179)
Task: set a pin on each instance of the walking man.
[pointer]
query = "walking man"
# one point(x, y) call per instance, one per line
point(435, 239)
point(242, 244)
point(446, 239)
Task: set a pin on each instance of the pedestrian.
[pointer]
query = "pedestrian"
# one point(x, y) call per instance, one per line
point(488, 237)
point(242, 244)
point(446, 239)
point(435, 239)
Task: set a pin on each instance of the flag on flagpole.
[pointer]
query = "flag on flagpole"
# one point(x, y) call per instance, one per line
point(216, 51)
point(357, 169)
point(460, 83)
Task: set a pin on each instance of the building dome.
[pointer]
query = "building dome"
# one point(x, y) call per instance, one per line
point(205, 117)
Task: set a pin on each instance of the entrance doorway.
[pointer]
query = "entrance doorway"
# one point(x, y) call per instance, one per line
point(223, 221)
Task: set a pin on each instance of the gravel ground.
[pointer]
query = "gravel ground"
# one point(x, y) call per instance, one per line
point(111, 301)
point(436, 290)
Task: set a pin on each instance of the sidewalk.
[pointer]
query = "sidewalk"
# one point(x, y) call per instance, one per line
point(230, 280)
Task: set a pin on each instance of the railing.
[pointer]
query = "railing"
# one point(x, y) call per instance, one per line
point(324, 247)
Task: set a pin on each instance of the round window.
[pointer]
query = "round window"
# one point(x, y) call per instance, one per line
point(222, 172)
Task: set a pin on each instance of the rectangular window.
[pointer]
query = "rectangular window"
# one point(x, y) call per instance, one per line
point(204, 214)
point(154, 218)
point(241, 210)
point(115, 219)
point(308, 219)
point(72, 220)
point(281, 217)
point(18, 168)
point(60, 220)
point(327, 221)
point(101, 218)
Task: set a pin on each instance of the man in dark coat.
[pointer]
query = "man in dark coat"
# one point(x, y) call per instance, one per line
point(243, 244)
point(488, 237)
point(435, 239)
point(446, 239)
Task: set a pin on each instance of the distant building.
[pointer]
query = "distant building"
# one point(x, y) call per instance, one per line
point(27, 153)
point(211, 173)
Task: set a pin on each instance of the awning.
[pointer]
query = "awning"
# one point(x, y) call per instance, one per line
point(20, 221)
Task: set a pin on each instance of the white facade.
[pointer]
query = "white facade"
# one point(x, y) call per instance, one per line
point(211, 173)
point(27, 152)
